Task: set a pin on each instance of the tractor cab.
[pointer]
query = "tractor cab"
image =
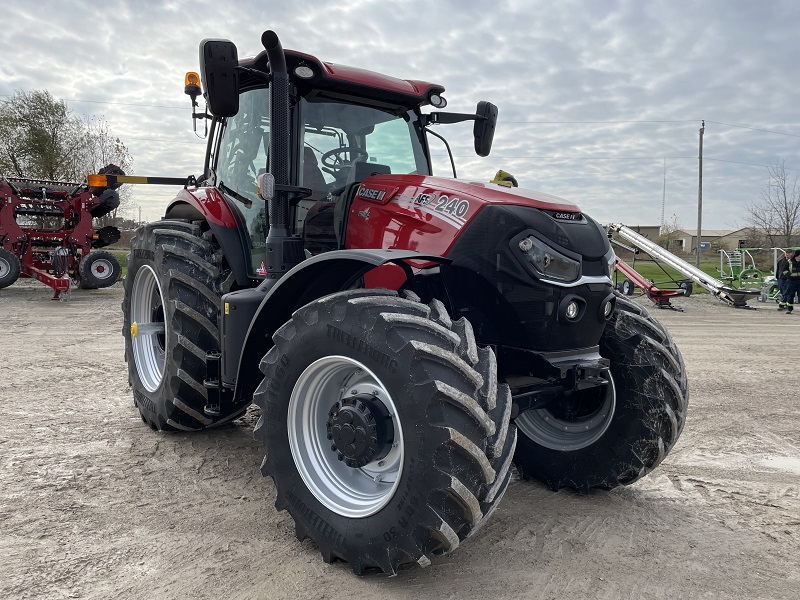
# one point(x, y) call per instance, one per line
point(345, 124)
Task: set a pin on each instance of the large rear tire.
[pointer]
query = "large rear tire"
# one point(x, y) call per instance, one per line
point(629, 429)
point(175, 279)
point(10, 268)
point(386, 433)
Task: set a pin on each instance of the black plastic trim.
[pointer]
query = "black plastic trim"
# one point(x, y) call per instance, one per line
point(312, 279)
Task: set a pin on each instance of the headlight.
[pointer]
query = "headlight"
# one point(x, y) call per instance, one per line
point(548, 262)
point(611, 263)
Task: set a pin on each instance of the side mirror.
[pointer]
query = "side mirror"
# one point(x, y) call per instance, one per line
point(483, 131)
point(218, 62)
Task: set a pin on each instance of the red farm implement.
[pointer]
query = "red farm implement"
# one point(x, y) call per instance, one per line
point(661, 298)
point(46, 233)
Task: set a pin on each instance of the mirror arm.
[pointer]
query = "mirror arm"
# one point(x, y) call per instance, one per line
point(437, 118)
point(446, 145)
point(265, 77)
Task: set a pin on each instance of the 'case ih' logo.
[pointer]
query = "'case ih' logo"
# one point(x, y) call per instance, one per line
point(371, 194)
point(567, 216)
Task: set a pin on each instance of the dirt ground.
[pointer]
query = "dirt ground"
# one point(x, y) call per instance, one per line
point(93, 504)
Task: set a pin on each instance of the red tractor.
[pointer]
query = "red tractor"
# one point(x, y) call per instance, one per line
point(406, 337)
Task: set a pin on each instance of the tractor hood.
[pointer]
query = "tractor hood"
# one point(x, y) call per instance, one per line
point(423, 212)
point(385, 188)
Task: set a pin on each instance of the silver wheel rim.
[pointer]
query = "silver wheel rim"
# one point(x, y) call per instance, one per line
point(5, 268)
point(556, 433)
point(102, 268)
point(348, 491)
point(147, 318)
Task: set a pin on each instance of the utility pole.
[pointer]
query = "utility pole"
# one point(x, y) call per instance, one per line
point(700, 195)
point(663, 196)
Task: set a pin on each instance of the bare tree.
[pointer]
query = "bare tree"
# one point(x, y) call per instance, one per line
point(670, 231)
point(777, 215)
point(101, 148)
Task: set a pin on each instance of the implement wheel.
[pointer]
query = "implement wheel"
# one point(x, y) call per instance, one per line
point(175, 279)
point(10, 268)
point(620, 433)
point(386, 433)
point(628, 287)
point(99, 269)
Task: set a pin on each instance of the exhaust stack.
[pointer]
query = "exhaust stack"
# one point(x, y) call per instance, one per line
point(284, 249)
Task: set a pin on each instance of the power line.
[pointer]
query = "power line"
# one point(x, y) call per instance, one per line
point(660, 158)
point(611, 122)
point(117, 103)
point(581, 157)
point(648, 121)
point(592, 122)
point(160, 141)
point(736, 162)
point(755, 129)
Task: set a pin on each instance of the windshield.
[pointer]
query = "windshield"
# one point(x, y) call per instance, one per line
point(338, 135)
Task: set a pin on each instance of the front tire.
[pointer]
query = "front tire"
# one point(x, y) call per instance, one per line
point(632, 426)
point(386, 433)
point(175, 279)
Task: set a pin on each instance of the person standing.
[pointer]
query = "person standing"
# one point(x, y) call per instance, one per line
point(782, 274)
point(793, 283)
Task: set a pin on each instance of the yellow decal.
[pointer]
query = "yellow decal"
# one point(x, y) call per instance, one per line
point(135, 329)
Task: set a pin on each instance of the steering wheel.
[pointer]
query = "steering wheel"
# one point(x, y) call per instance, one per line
point(334, 161)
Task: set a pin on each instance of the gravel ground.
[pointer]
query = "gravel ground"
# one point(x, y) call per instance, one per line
point(93, 504)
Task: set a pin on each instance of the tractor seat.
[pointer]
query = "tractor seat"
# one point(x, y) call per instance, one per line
point(312, 174)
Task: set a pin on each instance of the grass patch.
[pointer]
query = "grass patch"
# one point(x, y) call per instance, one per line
point(663, 278)
point(122, 257)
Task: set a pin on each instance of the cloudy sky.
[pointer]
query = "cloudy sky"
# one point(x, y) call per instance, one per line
point(600, 101)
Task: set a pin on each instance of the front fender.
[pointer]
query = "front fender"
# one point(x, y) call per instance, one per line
point(251, 317)
point(209, 205)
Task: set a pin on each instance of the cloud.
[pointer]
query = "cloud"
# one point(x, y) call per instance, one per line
point(594, 97)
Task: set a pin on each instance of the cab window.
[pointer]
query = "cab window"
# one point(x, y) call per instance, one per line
point(242, 156)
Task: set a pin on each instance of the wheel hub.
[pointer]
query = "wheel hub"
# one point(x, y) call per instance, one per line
point(361, 430)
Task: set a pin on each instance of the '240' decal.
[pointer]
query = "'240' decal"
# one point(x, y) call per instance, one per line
point(451, 210)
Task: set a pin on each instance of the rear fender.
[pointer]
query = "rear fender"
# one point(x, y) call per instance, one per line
point(312, 279)
point(208, 205)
